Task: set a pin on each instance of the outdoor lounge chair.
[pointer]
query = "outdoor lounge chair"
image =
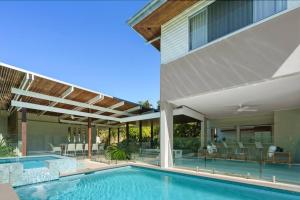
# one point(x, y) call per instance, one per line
point(275, 156)
point(79, 148)
point(258, 145)
point(86, 148)
point(260, 149)
point(227, 150)
point(243, 151)
point(71, 148)
point(211, 150)
point(55, 149)
point(95, 147)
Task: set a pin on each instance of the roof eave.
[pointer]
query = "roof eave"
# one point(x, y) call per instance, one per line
point(146, 11)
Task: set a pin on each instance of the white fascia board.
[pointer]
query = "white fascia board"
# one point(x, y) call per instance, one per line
point(66, 101)
point(188, 112)
point(64, 95)
point(141, 117)
point(146, 11)
point(60, 110)
point(51, 79)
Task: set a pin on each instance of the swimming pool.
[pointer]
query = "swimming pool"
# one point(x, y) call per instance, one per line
point(29, 162)
point(283, 172)
point(147, 184)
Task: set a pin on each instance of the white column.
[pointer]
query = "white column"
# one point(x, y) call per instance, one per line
point(202, 134)
point(166, 135)
point(238, 133)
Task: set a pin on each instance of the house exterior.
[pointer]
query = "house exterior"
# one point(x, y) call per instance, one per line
point(235, 62)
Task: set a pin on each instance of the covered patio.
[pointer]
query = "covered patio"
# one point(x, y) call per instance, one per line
point(42, 115)
point(250, 131)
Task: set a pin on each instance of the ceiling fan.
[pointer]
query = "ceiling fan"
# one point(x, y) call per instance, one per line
point(246, 108)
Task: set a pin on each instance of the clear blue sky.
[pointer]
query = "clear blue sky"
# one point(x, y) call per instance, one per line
point(85, 43)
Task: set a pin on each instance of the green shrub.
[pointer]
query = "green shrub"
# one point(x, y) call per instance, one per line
point(5, 149)
point(114, 152)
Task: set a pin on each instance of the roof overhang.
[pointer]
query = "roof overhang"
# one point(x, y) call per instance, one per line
point(44, 95)
point(276, 94)
point(147, 22)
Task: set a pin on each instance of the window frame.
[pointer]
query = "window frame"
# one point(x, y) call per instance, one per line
point(204, 9)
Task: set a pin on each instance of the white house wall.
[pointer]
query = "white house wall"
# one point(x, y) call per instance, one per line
point(175, 33)
point(287, 129)
point(43, 130)
point(248, 56)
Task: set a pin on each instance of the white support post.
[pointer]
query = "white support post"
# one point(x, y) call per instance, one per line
point(166, 135)
point(238, 133)
point(202, 134)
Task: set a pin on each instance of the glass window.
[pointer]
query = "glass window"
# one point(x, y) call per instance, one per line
point(198, 29)
point(264, 9)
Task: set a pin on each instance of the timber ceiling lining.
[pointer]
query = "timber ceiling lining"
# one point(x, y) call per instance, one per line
point(81, 95)
point(12, 78)
point(8, 78)
point(150, 27)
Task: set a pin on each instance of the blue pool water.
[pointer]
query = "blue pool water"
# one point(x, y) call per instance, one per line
point(283, 172)
point(29, 162)
point(133, 183)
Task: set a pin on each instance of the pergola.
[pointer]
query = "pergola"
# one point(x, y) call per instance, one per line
point(28, 92)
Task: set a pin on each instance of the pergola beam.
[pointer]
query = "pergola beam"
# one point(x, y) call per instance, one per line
point(128, 110)
point(141, 117)
point(92, 101)
point(20, 104)
point(117, 105)
point(25, 85)
point(64, 95)
point(66, 101)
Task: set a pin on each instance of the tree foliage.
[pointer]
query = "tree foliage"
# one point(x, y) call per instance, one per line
point(5, 149)
point(145, 104)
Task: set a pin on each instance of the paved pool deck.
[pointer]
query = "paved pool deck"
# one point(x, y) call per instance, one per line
point(7, 192)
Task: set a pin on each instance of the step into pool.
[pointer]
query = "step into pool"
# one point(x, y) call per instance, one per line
point(136, 183)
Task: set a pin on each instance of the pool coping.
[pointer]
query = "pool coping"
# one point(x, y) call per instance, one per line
point(34, 156)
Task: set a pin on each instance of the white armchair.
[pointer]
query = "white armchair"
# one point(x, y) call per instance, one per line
point(71, 148)
point(55, 149)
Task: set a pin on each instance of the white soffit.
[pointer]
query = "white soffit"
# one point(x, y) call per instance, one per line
point(268, 96)
point(291, 65)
